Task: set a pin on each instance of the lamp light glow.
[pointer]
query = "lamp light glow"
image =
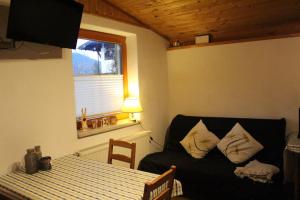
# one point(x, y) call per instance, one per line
point(132, 105)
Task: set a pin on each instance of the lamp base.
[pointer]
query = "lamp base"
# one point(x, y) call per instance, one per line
point(131, 117)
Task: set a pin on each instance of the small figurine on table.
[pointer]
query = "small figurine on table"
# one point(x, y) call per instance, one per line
point(83, 119)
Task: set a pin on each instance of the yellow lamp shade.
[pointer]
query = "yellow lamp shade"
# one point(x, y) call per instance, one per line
point(131, 105)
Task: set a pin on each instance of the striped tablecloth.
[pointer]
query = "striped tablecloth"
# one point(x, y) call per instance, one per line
point(78, 178)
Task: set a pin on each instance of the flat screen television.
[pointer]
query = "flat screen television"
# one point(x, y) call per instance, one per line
point(53, 22)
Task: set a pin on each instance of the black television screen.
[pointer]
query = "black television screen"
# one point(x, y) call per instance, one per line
point(53, 22)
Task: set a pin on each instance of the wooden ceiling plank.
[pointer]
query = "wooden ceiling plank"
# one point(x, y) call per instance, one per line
point(146, 25)
point(276, 11)
point(225, 19)
point(100, 8)
point(260, 31)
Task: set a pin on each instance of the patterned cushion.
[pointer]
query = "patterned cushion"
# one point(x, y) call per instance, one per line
point(199, 141)
point(238, 145)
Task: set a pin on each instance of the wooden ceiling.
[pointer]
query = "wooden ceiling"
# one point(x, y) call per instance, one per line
point(225, 20)
point(105, 9)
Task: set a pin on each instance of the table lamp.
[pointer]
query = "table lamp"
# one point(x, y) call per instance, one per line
point(132, 105)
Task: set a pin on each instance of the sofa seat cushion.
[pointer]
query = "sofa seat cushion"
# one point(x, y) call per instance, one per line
point(213, 175)
point(190, 169)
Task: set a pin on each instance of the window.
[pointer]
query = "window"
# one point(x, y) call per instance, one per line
point(99, 67)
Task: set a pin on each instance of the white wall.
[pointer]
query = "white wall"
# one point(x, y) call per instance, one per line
point(253, 79)
point(37, 96)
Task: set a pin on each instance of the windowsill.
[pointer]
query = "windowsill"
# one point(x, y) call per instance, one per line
point(120, 124)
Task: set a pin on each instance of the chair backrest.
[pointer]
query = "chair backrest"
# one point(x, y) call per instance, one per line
point(161, 187)
point(120, 157)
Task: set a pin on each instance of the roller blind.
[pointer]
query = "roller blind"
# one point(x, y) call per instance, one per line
point(98, 94)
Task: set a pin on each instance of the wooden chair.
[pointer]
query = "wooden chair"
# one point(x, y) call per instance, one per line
point(6, 194)
point(120, 157)
point(161, 187)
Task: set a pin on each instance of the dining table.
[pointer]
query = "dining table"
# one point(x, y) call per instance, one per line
point(78, 178)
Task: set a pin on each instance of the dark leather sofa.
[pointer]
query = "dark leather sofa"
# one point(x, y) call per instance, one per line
point(213, 177)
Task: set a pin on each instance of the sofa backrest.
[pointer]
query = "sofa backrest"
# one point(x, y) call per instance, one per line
point(269, 132)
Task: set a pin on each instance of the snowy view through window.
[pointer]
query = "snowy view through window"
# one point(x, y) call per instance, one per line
point(95, 58)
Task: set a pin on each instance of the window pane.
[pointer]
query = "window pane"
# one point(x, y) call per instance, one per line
point(98, 78)
point(93, 57)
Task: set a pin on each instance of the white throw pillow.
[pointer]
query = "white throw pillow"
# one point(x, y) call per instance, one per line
point(238, 145)
point(199, 141)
